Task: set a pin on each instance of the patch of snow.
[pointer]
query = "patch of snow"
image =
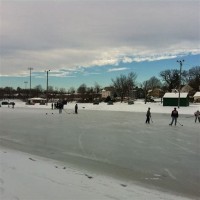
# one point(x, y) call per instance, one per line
point(30, 177)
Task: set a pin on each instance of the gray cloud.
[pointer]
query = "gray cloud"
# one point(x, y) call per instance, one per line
point(69, 34)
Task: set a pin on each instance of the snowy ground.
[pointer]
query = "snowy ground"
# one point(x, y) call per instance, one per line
point(98, 155)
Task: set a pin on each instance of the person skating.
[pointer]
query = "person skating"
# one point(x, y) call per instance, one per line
point(76, 109)
point(197, 116)
point(174, 116)
point(60, 107)
point(148, 115)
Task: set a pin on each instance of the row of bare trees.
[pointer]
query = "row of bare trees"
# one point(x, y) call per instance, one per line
point(123, 85)
point(169, 79)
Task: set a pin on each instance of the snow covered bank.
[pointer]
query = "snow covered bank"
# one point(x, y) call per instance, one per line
point(29, 177)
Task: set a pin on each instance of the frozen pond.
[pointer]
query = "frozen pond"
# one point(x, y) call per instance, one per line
point(116, 143)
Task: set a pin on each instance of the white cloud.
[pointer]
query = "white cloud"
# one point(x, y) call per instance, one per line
point(117, 69)
point(91, 73)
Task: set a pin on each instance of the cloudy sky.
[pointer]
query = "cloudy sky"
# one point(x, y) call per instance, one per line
point(92, 41)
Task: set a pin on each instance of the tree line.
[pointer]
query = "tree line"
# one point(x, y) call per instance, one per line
point(122, 85)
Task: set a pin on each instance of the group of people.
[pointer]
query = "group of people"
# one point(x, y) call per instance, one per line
point(60, 106)
point(174, 116)
point(12, 104)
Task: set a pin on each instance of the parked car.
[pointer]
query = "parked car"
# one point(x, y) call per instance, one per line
point(110, 103)
point(96, 102)
point(130, 102)
point(4, 103)
point(149, 99)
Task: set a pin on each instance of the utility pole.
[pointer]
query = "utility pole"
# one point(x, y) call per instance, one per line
point(25, 83)
point(30, 68)
point(181, 64)
point(47, 71)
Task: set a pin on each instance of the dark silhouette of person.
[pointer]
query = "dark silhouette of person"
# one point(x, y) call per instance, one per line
point(197, 116)
point(60, 107)
point(76, 109)
point(148, 115)
point(174, 116)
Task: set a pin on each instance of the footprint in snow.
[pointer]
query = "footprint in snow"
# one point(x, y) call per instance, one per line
point(90, 177)
point(123, 185)
point(32, 159)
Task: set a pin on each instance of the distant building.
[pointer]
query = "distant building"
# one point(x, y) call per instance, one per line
point(187, 88)
point(197, 97)
point(107, 91)
point(157, 92)
point(36, 100)
point(105, 94)
point(171, 99)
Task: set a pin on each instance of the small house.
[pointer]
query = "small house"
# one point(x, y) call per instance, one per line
point(197, 97)
point(32, 101)
point(171, 99)
point(157, 92)
point(107, 91)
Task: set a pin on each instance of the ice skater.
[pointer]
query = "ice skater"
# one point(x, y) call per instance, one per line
point(174, 116)
point(60, 107)
point(76, 109)
point(197, 116)
point(148, 115)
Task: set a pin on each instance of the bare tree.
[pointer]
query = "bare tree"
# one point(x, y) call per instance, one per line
point(37, 91)
point(124, 84)
point(171, 78)
point(194, 78)
point(71, 90)
point(62, 90)
point(153, 83)
point(50, 89)
point(97, 87)
point(82, 89)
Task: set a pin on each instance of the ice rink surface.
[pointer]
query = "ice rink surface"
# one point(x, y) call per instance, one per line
point(117, 144)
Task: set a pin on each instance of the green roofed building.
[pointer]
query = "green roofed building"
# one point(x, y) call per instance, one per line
point(171, 99)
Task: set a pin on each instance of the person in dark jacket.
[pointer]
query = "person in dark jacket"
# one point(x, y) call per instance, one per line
point(197, 116)
point(148, 115)
point(76, 109)
point(174, 116)
point(60, 107)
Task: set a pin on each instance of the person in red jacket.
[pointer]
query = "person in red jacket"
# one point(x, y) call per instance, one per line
point(174, 116)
